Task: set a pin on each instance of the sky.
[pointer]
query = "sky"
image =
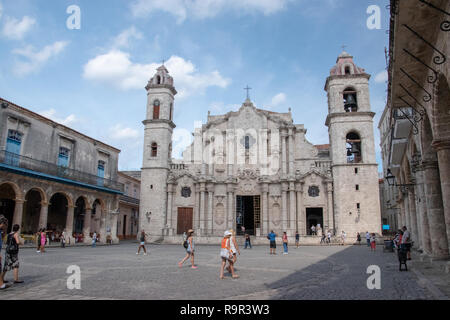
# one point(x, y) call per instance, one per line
point(87, 69)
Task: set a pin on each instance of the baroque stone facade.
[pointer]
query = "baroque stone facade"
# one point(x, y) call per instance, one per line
point(254, 171)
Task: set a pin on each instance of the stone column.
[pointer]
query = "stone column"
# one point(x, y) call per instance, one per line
point(197, 210)
point(69, 223)
point(230, 218)
point(43, 216)
point(292, 209)
point(18, 212)
point(301, 214)
point(422, 211)
point(406, 210)
point(291, 151)
point(210, 209)
point(87, 225)
point(435, 211)
point(443, 152)
point(283, 151)
point(170, 225)
point(284, 217)
point(265, 211)
point(202, 209)
point(114, 217)
point(413, 216)
point(330, 207)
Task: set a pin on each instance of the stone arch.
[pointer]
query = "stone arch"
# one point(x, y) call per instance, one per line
point(8, 197)
point(350, 99)
point(32, 211)
point(57, 212)
point(426, 140)
point(17, 192)
point(353, 144)
point(41, 192)
point(98, 215)
point(81, 204)
point(348, 66)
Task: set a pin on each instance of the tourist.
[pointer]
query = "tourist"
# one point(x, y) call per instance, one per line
point(142, 243)
point(12, 256)
point(329, 237)
point(398, 238)
point(313, 230)
point(373, 242)
point(297, 239)
point(226, 255)
point(406, 242)
point(358, 238)
point(285, 243)
point(368, 238)
point(43, 240)
point(62, 238)
point(3, 230)
point(234, 248)
point(94, 239)
point(247, 241)
point(189, 250)
point(38, 240)
point(343, 236)
point(323, 238)
point(273, 245)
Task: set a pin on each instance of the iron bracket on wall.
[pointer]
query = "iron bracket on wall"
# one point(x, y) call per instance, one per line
point(445, 25)
point(427, 97)
point(439, 59)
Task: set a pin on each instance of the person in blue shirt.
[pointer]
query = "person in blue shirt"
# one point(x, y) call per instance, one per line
point(271, 236)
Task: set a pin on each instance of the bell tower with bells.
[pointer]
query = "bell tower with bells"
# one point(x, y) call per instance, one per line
point(157, 155)
point(352, 150)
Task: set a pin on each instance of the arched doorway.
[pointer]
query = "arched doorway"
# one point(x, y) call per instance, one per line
point(57, 213)
point(79, 214)
point(7, 203)
point(32, 212)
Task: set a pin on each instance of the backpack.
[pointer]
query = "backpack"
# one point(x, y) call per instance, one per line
point(185, 244)
point(12, 246)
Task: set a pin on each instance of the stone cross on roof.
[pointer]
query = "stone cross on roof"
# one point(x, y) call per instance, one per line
point(248, 89)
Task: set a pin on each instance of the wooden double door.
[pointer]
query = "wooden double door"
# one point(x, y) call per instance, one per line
point(185, 220)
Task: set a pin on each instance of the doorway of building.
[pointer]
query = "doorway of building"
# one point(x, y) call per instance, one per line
point(248, 214)
point(124, 229)
point(314, 217)
point(185, 220)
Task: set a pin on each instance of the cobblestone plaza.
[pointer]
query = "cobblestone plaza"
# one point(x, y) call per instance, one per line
point(306, 273)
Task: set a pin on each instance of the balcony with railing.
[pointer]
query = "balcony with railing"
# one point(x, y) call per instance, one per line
point(51, 171)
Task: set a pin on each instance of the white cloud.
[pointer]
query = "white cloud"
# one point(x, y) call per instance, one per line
point(51, 114)
point(202, 9)
point(119, 132)
point(221, 108)
point(116, 68)
point(1, 10)
point(278, 99)
point(124, 38)
point(381, 77)
point(36, 59)
point(15, 29)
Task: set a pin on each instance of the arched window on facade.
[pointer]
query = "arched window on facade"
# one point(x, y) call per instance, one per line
point(350, 100)
point(353, 145)
point(156, 107)
point(158, 80)
point(348, 70)
point(154, 149)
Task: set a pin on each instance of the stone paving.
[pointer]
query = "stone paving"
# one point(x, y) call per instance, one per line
point(309, 272)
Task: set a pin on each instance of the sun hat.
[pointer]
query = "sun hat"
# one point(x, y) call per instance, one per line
point(227, 233)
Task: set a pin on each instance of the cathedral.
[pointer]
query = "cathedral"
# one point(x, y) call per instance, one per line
point(254, 171)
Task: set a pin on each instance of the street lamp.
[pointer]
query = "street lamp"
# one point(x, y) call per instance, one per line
point(391, 181)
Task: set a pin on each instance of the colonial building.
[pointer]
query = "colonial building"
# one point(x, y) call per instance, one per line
point(127, 223)
point(254, 171)
point(415, 126)
point(56, 178)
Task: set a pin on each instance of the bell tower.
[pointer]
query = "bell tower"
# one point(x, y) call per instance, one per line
point(352, 149)
point(157, 154)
